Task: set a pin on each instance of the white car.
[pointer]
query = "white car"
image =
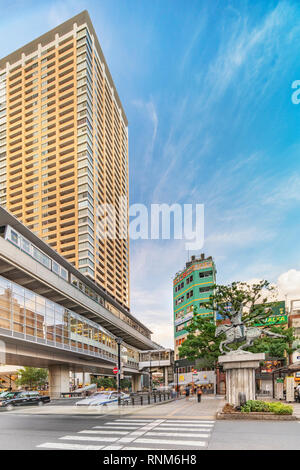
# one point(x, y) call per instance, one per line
point(104, 399)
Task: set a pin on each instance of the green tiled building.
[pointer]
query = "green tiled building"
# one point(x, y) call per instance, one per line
point(191, 288)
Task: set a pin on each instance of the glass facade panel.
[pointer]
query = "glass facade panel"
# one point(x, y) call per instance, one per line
point(23, 311)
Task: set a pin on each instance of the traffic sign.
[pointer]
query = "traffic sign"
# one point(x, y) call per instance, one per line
point(115, 370)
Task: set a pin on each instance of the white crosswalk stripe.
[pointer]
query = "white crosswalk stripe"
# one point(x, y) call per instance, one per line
point(138, 434)
point(176, 434)
point(165, 428)
point(90, 438)
point(172, 425)
point(195, 421)
point(117, 423)
point(65, 446)
point(131, 428)
point(172, 442)
point(134, 420)
point(103, 431)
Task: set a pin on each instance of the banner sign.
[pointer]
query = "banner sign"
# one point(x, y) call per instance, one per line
point(184, 319)
point(278, 316)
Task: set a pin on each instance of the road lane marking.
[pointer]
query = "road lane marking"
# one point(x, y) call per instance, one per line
point(121, 433)
point(141, 431)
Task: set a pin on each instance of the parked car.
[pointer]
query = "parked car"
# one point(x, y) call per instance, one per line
point(9, 394)
point(104, 399)
point(9, 400)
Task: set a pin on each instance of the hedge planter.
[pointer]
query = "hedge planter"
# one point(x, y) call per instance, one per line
point(259, 410)
point(256, 416)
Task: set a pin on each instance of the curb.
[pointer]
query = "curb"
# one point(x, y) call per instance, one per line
point(122, 411)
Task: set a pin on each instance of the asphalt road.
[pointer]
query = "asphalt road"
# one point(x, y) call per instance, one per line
point(23, 431)
point(255, 435)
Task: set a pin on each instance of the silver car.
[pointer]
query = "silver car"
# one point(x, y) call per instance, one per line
point(104, 399)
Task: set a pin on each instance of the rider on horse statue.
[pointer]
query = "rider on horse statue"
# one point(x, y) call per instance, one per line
point(237, 324)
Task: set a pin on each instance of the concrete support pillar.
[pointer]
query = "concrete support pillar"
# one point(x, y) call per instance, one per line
point(59, 380)
point(136, 381)
point(240, 375)
point(86, 379)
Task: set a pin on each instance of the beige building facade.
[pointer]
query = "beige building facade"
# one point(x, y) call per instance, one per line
point(64, 152)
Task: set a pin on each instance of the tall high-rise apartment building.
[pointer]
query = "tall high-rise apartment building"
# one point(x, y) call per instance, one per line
point(64, 151)
point(192, 288)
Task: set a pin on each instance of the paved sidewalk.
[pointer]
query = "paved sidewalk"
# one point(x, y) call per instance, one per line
point(183, 408)
point(296, 406)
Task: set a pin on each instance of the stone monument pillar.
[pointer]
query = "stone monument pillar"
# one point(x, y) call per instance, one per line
point(240, 374)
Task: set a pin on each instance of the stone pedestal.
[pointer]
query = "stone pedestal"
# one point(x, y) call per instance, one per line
point(240, 374)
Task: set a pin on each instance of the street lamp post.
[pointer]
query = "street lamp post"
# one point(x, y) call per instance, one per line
point(176, 372)
point(150, 374)
point(119, 341)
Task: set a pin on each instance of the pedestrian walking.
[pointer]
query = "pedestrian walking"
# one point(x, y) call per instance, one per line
point(199, 394)
point(187, 392)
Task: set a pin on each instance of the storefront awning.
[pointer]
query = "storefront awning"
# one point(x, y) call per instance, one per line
point(294, 367)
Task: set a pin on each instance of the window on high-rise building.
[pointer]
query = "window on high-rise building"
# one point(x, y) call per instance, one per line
point(204, 289)
point(206, 274)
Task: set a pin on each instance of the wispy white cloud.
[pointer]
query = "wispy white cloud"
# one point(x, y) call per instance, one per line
point(61, 10)
point(150, 113)
point(239, 237)
point(288, 192)
point(201, 23)
point(249, 47)
point(153, 266)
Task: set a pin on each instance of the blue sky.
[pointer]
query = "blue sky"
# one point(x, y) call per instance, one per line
point(207, 90)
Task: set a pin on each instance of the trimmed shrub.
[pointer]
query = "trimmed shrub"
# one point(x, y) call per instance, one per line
point(255, 406)
point(280, 408)
point(266, 407)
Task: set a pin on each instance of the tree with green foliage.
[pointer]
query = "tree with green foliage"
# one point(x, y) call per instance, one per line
point(201, 342)
point(275, 347)
point(111, 382)
point(125, 384)
point(252, 302)
point(105, 382)
point(32, 377)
